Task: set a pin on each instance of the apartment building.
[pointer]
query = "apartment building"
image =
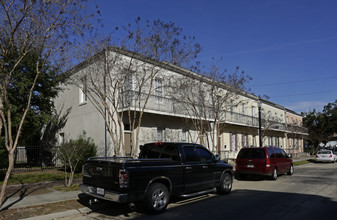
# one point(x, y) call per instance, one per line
point(123, 100)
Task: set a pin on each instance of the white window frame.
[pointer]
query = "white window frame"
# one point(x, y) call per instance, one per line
point(183, 135)
point(83, 98)
point(158, 92)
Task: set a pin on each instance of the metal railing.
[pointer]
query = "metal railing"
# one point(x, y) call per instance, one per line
point(171, 106)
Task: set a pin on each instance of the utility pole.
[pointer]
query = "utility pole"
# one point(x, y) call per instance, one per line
point(260, 124)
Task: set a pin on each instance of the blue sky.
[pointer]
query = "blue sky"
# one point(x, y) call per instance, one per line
point(288, 47)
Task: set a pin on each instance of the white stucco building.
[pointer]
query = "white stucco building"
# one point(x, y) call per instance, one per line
point(173, 104)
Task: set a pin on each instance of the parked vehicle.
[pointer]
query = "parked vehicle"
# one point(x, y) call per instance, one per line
point(162, 171)
point(326, 156)
point(266, 161)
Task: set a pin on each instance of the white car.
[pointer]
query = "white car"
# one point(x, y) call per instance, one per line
point(326, 156)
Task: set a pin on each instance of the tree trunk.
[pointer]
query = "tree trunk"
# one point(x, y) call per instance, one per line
point(8, 174)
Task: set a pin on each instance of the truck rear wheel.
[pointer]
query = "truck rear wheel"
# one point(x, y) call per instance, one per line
point(157, 198)
point(226, 183)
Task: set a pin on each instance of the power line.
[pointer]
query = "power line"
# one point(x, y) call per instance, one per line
point(293, 82)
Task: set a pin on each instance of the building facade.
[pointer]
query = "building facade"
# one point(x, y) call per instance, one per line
point(149, 101)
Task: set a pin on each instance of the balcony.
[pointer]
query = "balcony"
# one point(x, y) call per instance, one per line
point(168, 106)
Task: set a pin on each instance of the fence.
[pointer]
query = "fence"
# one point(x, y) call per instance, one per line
point(35, 157)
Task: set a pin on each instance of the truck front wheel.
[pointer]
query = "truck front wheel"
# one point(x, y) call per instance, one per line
point(225, 184)
point(156, 198)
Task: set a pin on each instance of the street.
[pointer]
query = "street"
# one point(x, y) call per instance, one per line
point(311, 193)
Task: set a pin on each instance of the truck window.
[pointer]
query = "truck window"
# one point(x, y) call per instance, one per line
point(170, 151)
point(190, 154)
point(159, 151)
point(204, 155)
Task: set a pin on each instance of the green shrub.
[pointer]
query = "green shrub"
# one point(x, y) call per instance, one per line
point(75, 152)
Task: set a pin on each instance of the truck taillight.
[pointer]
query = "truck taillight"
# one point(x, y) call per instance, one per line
point(123, 179)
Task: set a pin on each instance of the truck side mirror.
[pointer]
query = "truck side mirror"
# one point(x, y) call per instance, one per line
point(217, 158)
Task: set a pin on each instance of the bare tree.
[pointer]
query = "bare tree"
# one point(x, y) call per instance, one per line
point(296, 132)
point(41, 26)
point(270, 123)
point(207, 100)
point(121, 79)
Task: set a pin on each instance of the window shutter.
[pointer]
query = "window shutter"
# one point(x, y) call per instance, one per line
point(230, 142)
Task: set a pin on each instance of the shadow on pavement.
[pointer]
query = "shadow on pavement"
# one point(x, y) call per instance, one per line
point(242, 204)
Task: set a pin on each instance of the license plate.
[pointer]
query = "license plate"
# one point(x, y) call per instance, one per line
point(250, 165)
point(100, 191)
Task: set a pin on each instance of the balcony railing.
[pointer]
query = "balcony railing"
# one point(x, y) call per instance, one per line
point(173, 107)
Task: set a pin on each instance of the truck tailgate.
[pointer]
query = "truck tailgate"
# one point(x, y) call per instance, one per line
point(102, 173)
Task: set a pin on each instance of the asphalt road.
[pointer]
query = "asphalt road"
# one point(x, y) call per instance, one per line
point(311, 193)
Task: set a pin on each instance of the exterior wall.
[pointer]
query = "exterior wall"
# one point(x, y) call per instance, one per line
point(166, 120)
point(82, 117)
point(294, 137)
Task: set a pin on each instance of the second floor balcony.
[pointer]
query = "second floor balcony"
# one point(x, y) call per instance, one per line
point(168, 106)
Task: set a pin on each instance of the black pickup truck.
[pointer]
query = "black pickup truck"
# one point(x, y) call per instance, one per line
point(162, 171)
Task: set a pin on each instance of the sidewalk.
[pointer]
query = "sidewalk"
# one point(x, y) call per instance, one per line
point(31, 200)
point(41, 194)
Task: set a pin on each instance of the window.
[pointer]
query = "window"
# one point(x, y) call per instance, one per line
point(279, 153)
point(61, 138)
point(201, 105)
point(170, 151)
point(159, 151)
point(277, 142)
point(183, 135)
point(243, 109)
point(204, 155)
point(233, 142)
point(231, 108)
point(158, 90)
point(83, 91)
point(284, 154)
point(252, 153)
point(190, 154)
point(271, 153)
point(244, 140)
point(270, 141)
point(160, 132)
point(128, 89)
point(127, 127)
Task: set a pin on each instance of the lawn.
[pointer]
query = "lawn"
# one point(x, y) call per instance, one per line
point(21, 177)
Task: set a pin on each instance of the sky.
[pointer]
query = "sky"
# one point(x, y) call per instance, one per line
point(288, 47)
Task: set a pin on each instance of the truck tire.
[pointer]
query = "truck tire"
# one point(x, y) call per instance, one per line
point(226, 183)
point(156, 198)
